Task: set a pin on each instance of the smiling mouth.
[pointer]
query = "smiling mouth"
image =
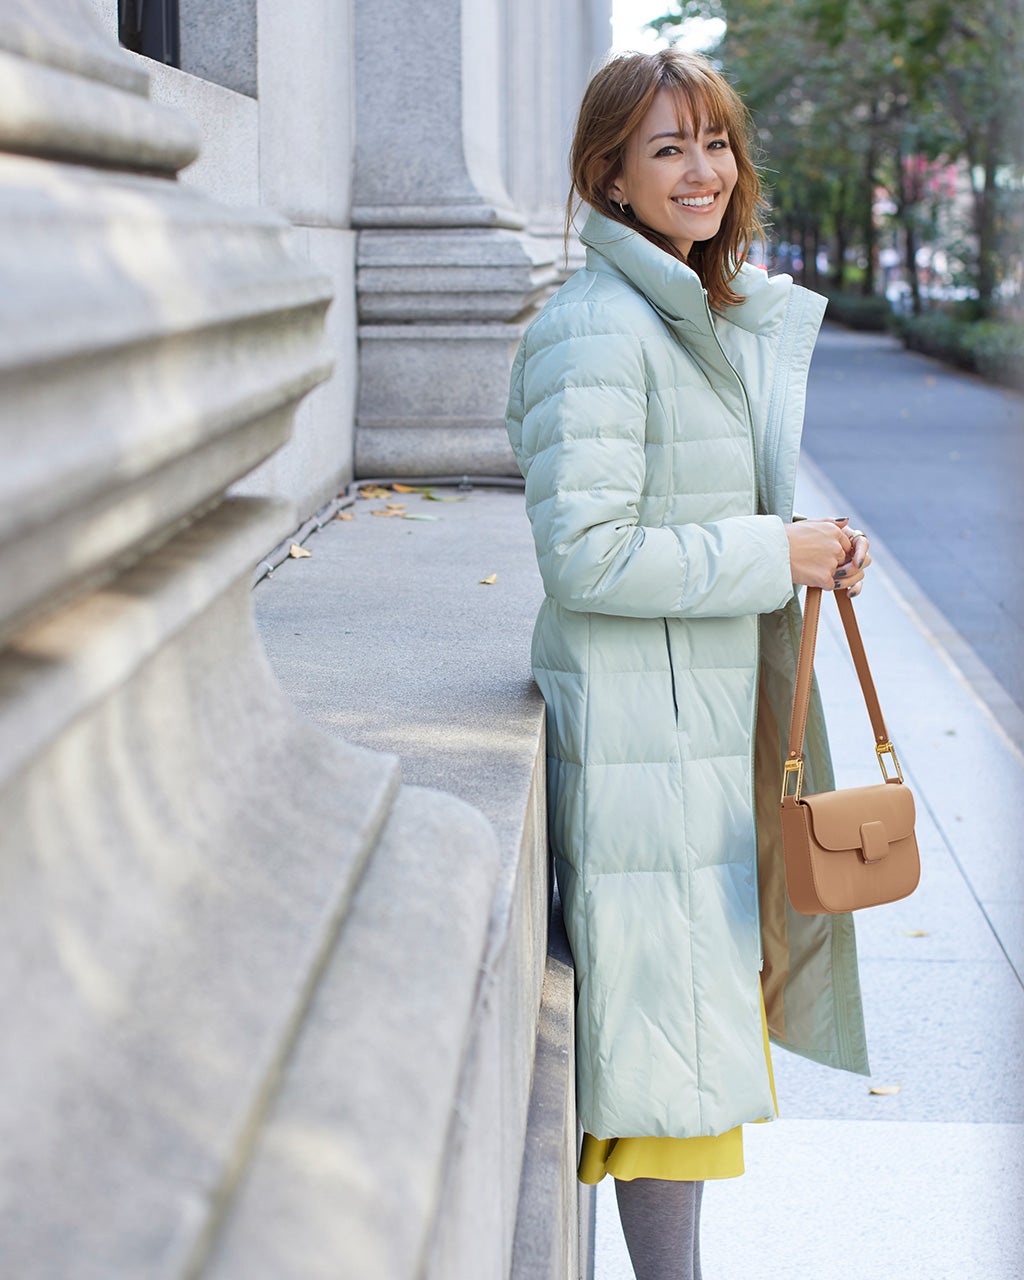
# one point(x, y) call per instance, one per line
point(695, 202)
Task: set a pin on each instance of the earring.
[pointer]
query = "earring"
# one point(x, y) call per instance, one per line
point(623, 208)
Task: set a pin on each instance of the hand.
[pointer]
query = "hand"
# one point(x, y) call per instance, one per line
point(850, 575)
point(821, 554)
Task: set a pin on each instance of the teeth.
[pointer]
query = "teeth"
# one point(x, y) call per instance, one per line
point(696, 202)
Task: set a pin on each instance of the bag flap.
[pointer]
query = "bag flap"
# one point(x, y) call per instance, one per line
point(837, 816)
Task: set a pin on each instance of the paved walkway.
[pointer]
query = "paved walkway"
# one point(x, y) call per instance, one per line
point(932, 461)
point(924, 1183)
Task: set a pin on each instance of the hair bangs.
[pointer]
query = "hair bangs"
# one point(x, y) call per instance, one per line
point(702, 102)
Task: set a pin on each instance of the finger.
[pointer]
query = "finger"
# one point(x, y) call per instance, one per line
point(860, 549)
point(848, 575)
point(842, 549)
point(858, 554)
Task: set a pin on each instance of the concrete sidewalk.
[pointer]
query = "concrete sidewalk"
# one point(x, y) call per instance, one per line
point(925, 1183)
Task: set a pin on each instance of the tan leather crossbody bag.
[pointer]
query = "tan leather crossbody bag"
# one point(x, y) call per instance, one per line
point(844, 849)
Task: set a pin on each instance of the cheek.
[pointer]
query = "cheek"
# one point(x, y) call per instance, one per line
point(732, 174)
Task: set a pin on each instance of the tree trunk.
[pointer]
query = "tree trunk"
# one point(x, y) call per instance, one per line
point(910, 190)
point(838, 271)
point(814, 278)
point(910, 251)
point(868, 213)
point(805, 250)
point(988, 248)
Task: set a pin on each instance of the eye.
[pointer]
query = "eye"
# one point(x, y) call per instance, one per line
point(670, 150)
point(719, 144)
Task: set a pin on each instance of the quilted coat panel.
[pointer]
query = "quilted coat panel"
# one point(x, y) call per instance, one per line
point(658, 444)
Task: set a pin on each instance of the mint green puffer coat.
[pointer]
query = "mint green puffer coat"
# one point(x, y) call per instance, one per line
point(659, 445)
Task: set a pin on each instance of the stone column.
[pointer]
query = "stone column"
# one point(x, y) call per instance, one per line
point(179, 848)
point(447, 274)
point(306, 112)
point(536, 145)
point(218, 42)
point(552, 52)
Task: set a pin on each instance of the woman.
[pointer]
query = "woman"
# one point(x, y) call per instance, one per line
point(655, 410)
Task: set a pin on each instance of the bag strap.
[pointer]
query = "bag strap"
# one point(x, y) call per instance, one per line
point(802, 691)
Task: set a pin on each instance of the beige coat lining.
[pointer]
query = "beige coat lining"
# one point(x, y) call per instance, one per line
point(771, 871)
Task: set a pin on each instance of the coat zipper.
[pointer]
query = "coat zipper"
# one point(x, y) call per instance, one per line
point(757, 636)
point(671, 672)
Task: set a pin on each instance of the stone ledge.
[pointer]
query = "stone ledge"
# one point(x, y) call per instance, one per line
point(158, 345)
point(440, 448)
point(543, 1249)
point(178, 855)
point(387, 637)
point(67, 111)
point(347, 1172)
point(57, 670)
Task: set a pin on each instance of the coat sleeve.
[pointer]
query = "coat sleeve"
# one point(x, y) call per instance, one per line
point(577, 420)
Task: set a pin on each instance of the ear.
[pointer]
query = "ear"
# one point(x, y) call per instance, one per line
point(615, 192)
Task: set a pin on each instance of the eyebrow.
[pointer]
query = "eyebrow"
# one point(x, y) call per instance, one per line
point(683, 136)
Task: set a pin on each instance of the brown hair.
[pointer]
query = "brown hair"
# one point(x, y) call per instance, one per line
point(616, 100)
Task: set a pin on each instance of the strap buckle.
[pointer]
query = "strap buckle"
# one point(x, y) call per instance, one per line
point(883, 749)
point(789, 768)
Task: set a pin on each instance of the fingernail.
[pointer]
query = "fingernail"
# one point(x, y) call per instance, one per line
point(839, 573)
point(859, 564)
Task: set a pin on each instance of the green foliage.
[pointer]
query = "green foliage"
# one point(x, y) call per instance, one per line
point(991, 348)
point(872, 314)
point(850, 95)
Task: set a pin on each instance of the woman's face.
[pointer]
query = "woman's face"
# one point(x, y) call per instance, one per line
point(676, 184)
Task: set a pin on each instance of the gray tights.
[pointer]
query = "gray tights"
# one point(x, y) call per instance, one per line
point(661, 1223)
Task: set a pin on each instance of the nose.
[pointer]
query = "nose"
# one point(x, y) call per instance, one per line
point(698, 166)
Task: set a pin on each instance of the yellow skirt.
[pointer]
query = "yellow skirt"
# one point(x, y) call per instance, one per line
point(672, 1159)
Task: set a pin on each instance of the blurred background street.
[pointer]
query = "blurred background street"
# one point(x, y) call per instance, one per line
point(932, 461)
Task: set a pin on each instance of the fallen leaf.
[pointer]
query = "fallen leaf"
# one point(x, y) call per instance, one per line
point(298, 553)
point(374, 491)
point(885, 1090)
point(915, 933)
point(344, 515)
point(430, 496)
point(489, 582)
point(408, 516)
point(386, 511)
point(395, 506)
point(406, 488)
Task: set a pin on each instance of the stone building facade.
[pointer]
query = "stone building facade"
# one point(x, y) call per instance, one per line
point(419, 152)
point(229, 288)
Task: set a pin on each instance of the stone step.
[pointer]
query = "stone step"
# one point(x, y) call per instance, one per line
point(178, 848)
point(349, 1171)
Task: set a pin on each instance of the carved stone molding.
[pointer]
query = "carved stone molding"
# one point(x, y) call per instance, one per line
point(180, 850)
